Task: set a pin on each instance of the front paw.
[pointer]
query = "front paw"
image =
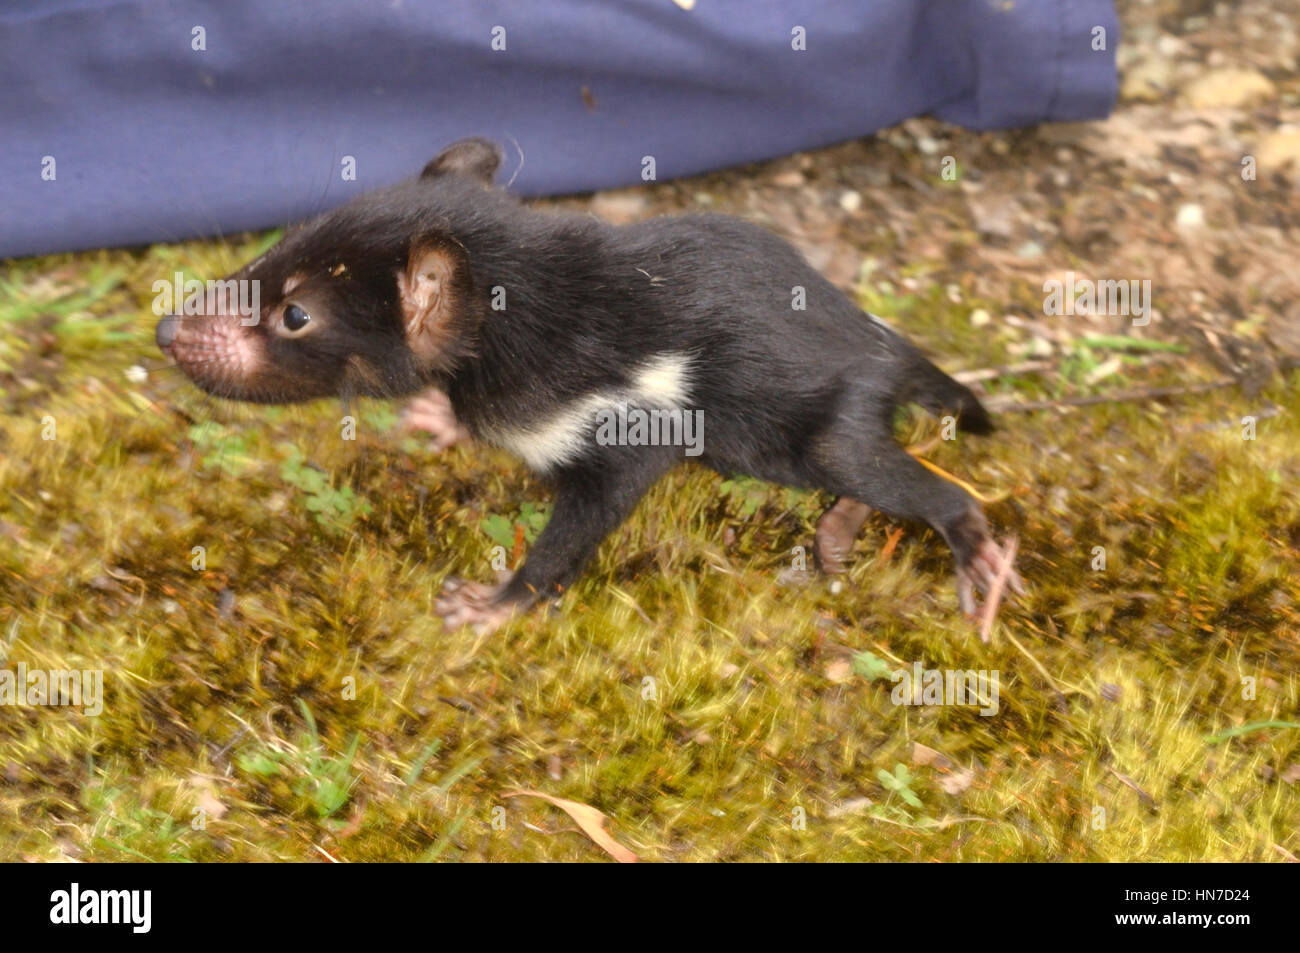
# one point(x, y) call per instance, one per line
point(431, 412)
point(475, 604)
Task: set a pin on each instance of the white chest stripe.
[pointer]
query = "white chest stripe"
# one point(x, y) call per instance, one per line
point(661, 382)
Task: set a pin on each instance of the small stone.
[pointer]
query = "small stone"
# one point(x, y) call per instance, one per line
point(620, 207)
point(789, 179)
point(928, 145)
point(1147, 81)
point(1169, 45)
point(136, 374)
point(980, 318)
point(1228, 89)
point(1279, 151)
point(957, 782)
point(851, 201)
point(994, 215)
point(1030, 249)
point(1190, 215)
point(839, 671)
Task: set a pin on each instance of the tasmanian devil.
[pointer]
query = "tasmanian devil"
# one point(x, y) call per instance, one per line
point(534, 330)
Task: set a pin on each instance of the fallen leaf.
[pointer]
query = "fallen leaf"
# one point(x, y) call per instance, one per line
point(852, 806)
point(590, 820)
point(923, 755)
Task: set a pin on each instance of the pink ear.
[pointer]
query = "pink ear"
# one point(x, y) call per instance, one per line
point(420, 293)
point(431, 295)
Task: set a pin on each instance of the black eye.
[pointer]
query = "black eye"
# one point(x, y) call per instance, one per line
point(295, 318)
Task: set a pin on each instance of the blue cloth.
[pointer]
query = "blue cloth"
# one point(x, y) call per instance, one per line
point(155, 141)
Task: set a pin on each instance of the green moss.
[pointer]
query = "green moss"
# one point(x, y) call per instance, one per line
point(689, 687)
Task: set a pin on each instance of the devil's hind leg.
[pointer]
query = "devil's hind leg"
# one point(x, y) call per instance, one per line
point(862, 462)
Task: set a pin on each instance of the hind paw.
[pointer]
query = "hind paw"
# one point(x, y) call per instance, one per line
point(982, 572)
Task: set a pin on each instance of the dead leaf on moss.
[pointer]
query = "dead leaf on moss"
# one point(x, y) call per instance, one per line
point(923, 755)
point(590, 820)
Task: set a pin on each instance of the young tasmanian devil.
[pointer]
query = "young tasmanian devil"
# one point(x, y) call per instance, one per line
point(531, 330)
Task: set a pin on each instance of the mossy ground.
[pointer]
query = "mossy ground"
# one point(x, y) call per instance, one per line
point(227, 689)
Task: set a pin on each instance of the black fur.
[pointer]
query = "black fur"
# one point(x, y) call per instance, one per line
point(799, 397)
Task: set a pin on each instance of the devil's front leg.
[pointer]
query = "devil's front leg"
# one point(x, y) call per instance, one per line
point(592, 499)
point(431, 412)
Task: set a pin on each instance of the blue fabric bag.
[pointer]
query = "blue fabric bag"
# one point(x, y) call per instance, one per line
point(127, 122)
